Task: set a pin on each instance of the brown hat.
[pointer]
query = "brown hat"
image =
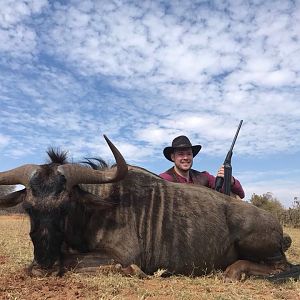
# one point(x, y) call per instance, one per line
point(181, 142)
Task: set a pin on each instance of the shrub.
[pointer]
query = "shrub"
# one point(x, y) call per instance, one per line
point(269, 203)
point(292, 215)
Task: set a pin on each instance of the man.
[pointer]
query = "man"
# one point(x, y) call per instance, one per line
point(181, 153)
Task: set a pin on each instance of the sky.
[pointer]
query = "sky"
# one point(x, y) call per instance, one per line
point(144, 72)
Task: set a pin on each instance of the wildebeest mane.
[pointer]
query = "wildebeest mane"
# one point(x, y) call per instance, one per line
point(96, 163)
point(57, 156)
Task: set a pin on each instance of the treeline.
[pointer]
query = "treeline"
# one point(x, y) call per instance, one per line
point(287, 217)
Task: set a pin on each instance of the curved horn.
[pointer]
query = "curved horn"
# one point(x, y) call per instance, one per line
point(76, 174)
point(20, 175)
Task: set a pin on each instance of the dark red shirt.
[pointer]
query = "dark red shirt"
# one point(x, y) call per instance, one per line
point(209, 180)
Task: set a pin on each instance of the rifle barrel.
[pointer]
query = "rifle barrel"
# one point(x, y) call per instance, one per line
point(236, 135)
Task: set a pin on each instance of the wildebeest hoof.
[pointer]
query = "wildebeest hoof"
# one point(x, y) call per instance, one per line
point(235, 272)
point(35, 270)
point(131, 270)
point(137, 271)
point(233, 276)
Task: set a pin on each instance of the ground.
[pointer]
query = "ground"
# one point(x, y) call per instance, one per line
point(16, 254)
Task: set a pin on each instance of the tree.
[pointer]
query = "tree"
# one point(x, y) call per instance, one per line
point(296, 203)
point(288, 217)
point(268, 203)
point(292, 215)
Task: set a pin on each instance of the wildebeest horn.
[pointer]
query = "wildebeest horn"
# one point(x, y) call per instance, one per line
point(20, 175)
point(76, 174)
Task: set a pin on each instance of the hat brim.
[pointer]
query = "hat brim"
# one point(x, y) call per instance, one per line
point(169, 150)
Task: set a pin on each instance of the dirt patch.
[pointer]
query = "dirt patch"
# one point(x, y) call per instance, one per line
point(21, 286)
point(3, 259)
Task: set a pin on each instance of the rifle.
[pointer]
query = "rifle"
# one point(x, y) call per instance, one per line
point(227, 168)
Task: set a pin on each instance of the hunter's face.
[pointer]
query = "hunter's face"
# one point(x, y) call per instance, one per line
point(183, 159)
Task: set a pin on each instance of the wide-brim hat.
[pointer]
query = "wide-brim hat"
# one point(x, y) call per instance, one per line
point(181, 142)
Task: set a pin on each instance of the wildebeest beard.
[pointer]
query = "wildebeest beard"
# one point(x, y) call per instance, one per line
point(47, 235)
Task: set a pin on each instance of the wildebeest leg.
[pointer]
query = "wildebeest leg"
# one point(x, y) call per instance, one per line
point(240, 267)
point(95, 262)
point(87, 262)
point(131, 270)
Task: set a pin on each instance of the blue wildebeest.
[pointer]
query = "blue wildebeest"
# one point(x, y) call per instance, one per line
point(132, 219)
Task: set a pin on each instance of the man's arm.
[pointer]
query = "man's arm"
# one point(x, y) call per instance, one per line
point(236, 186)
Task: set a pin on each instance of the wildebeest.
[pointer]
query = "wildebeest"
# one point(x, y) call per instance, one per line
point(84, 218)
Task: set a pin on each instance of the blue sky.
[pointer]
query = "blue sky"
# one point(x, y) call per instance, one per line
point(144, 72)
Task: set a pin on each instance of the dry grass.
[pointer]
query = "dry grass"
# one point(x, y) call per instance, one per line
point(16, 253)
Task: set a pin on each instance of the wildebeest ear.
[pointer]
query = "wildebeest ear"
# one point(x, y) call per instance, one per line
point(12, 199)
point(89, 199)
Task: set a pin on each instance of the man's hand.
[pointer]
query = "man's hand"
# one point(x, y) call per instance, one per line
point(221, 174)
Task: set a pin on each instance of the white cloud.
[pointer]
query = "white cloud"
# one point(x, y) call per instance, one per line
point(17, 39)
point(152, 134)
point(19, 42)
point(12, 12)
point(260, 64)
point(4, 140)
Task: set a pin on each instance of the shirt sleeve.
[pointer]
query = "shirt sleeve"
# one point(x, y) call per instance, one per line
point(236, 188)
point(211, 180)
